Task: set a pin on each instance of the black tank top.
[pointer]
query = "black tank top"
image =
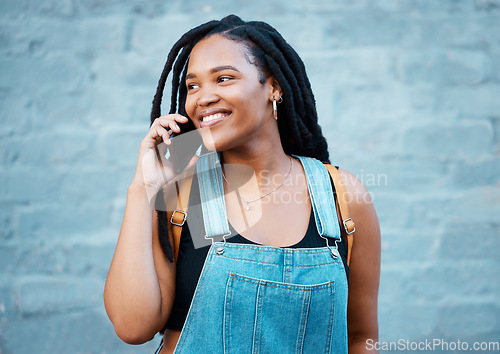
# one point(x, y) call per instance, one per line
point(190, 259)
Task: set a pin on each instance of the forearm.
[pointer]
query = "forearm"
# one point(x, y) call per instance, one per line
point(132, 293)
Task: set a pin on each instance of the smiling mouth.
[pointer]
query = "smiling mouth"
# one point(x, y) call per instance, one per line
point(213, 119)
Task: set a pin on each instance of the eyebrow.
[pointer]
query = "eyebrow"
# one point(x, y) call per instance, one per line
point(214, 70)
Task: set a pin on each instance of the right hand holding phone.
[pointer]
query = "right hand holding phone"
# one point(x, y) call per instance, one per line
point(153, 169)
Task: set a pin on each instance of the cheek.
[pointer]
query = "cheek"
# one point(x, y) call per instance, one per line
point(253, 101)
point(189, 106)
point(258, 106)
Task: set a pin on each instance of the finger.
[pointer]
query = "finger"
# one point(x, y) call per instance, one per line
point(181, 119)
point(160, 122)
point(177, 117)
point(160, 132)
point(166, 136)
point(165, 120)
point(174, 127)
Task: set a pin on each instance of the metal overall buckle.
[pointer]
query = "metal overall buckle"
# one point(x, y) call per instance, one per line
point(334, 252)
point(219, 249)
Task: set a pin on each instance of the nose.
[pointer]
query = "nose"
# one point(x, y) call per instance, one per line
point(206, 98)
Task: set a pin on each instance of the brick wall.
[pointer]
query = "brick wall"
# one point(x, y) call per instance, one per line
point(408, 95)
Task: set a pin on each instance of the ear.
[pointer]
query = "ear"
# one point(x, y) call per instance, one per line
point(274, 89)
point(277, 89)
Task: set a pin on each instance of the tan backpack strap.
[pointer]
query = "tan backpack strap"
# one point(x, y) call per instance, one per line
point(179, 215)
point(343, 209)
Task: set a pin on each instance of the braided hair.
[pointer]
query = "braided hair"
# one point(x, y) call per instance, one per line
point(298, 126)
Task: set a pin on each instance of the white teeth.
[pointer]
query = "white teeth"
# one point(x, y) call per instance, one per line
point(213, 116)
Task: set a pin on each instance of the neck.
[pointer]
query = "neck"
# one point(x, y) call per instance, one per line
point(265, 160)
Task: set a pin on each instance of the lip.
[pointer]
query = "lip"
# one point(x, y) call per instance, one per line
point(214, 121)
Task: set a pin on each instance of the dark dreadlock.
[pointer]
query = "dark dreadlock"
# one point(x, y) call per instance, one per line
point(298, 126)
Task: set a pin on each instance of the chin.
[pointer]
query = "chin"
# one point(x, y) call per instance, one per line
point(216, 141)
point(214, 144)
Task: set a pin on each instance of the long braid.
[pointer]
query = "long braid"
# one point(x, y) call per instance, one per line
point(298, 120)
point(176, 82)
point(171, 58)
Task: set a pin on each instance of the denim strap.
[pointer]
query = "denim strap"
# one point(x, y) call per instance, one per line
point(212, 195)
point(322, 200)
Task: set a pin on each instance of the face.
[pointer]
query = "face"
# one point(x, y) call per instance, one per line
point(225, 97)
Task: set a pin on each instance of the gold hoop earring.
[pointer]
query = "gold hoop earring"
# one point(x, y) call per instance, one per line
point(275, 109)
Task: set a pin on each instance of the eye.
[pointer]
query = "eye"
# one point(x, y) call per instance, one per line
point(192, 86)
point(223, 79)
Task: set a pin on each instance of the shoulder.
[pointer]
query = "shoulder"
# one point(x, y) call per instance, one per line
point(356, 192)
point(360, 203)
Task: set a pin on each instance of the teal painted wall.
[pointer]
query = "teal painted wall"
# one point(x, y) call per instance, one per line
point(408, 93)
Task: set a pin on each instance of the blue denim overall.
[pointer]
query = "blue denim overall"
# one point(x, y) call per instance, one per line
point(264, 299)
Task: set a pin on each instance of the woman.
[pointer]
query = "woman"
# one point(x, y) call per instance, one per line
point(273, 276)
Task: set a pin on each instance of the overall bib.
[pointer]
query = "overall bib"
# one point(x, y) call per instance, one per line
point(264, 299)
